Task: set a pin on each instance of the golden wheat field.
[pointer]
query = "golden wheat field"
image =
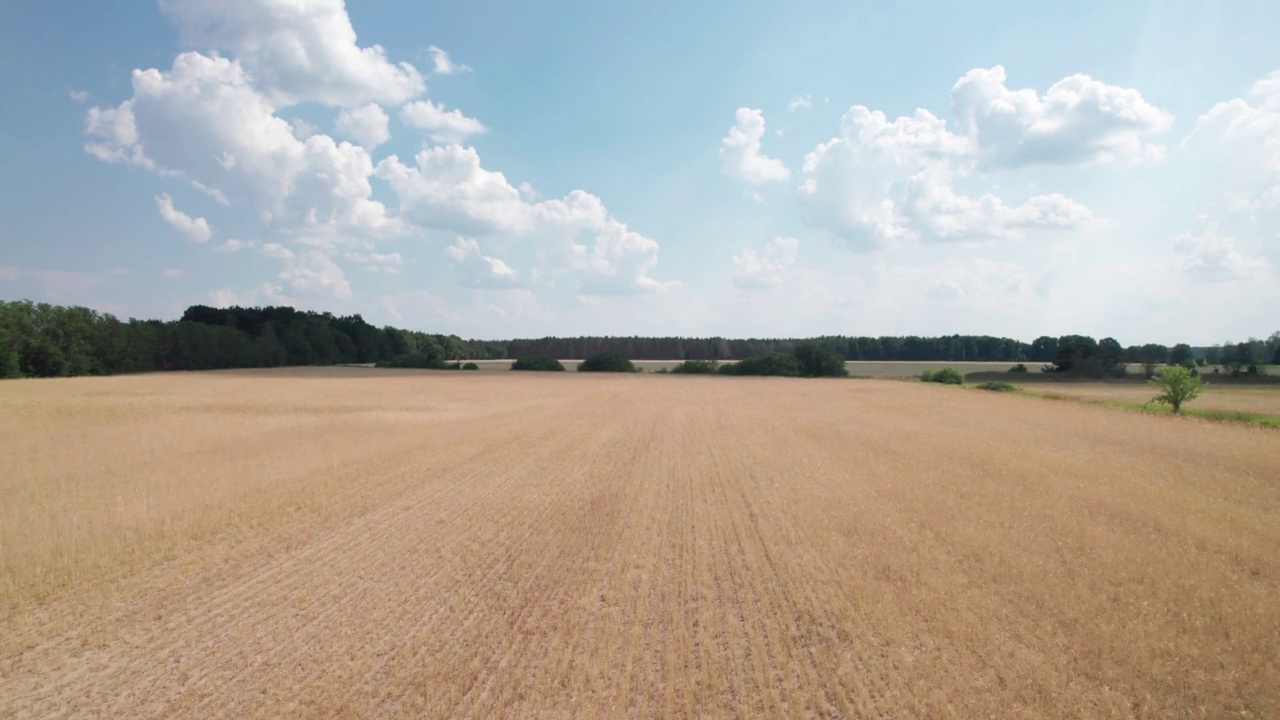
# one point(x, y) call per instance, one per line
point(361, 543)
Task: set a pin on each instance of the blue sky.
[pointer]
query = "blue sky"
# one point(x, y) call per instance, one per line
point(505, 169)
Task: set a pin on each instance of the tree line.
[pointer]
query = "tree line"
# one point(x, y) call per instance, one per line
point(42, 340)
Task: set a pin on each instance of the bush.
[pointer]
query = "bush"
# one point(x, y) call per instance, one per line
point(606, 362)
point(470, 366)
point(1019, 368)
point(946, 376)
point(694, 367)
point(545, 364)
point(819, 360)
point(415, 360)
point(997, 386)
point(773, 364)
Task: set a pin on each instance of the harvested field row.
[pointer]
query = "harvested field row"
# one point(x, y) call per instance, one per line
point(350, 542)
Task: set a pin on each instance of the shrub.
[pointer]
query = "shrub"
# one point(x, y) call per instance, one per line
point(545, 364)
point(819, 360)
point(606, 362)
point(470, 366)
point(415, 360)
point(1178, 385)
point(694, 367)
point(946, 376)
point(773, 364)
point(997, 386)
point(1019, 368)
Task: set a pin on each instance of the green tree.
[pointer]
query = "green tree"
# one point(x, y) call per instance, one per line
point(782, 364)
point(1180, 353)
point(1213, 355)
point(1044, 349)
point(695, 367)
point(1177, 385)
point(606, 362)
point(546, 364)
point(945, 376)
point(819, 360)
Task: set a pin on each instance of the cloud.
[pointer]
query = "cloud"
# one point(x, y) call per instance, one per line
point(740, 156)
point(480, 270)
point(367, 125)
point(277, 251)
point(195, 228)
point(933, 210)
point(233, 246)
point(884, 181)
point(204, 121)
point(444, 126)
point(296, 51)
point(311, 273)
point(768, 268)
point(1239, 141)
point(442, 64)
point(172, 274)
point(1202, 253)
point(387, 263)
point(617, 263)
point(448, 189)
point(214, 120)
point(801, 102)
point(1079, 120)
point(945, 289)
point(78, 96)
point(116, 134)
point(265, 294)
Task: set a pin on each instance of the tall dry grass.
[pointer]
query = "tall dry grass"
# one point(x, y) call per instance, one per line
point(355, 543)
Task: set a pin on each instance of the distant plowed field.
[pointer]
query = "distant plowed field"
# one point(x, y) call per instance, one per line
point(357, 543)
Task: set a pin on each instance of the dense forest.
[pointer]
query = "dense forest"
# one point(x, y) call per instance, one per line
point(40, 340)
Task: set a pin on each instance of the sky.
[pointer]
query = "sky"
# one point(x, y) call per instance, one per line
point(509, 169)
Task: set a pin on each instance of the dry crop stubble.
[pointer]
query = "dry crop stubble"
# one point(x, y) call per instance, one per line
point(354, 542)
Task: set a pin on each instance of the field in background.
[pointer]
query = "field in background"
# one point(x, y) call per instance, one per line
point(1257, 399)
point(347, 542)
point(872, 369)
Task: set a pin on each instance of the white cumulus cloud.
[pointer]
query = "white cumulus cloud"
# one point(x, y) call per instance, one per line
point(480, 270)
point(232, 245)
point(195, 228)
point(442, 64)
point(1078, 120)
point(1203, 253)
point(740, 155)
point(216, 119)
point(366, 124)
point(312, 273)
point(388, 263)
point(296, 50)
point(203, 120)
point(767, 268)
point(801, 102)
point(444, 126)
point(882, 181)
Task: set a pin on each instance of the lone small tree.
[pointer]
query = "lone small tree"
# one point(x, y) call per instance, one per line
point(1179, 385)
